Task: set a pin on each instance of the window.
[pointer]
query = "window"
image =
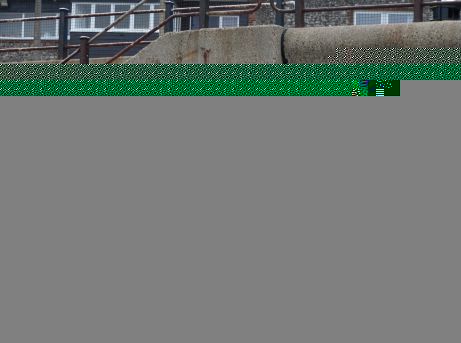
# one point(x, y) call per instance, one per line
point(82, 23)
point(101, 22)
point(229, 21)
point(215, 22)
point(176, 24)
point(11, 30)
point(141, 21)
point(25, 30)
point(49, 28)
point(132, 23)
point(373, 18)
point(125, 23)
point(395, 18)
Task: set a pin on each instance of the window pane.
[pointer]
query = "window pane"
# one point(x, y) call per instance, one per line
point(48, 28)
point(368, 18)
point(194, 23)
point(11, 29)
point(125, 23)
point(82, 23)
point(213, 21)
point(157, 17)
point(400, 18)
point(102, 22)
point(176, 23)
point(228, 21)
point(141, 21)
point(29, 26)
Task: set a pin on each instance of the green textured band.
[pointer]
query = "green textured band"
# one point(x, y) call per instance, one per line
point(230, 72)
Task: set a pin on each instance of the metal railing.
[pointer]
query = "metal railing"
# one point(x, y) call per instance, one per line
point(86, 43)
point(203, 12)
point(192, 11)
point(299, 9)
point(63, 18)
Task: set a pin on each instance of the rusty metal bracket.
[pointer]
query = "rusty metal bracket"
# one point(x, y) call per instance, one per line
point(179, 15)
point(280, 10)
point(107, 28)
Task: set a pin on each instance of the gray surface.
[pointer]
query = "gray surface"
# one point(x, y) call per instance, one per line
point(397, 55)
point(319, 45)
point(250, 45)
point(396, 43)
point(231, 220)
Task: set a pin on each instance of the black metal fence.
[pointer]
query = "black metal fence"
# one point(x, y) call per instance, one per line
point(187, 12)
point(60, 32)
point(212, 21)
point(416, 6)
point(22, 9)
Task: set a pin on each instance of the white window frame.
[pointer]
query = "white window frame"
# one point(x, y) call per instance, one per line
point(384, 16)
point(231, 16)
point(220, 21)
point(177, 24)
point(92, 27)
point(23, 24)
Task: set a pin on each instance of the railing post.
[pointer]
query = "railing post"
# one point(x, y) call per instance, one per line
point(84, 50)
point(63, 32)
point(439, 9)
point(38, 23)
point(203, 17)
point(168, 13)
point(299, 13)
point(279, 17)
point(417, 11)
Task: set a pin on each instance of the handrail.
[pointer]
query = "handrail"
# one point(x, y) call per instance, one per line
point(185, 9)
point(362, 7)
point(219, 10)
point(236, 9)
point(107, 28)
point(74, 16)
point(179, 15)
point(15, 20)
point(34, 48)
point(280, 10)
point(70, 46)
point(144, 36)
point(244, 7)
point(77, 16)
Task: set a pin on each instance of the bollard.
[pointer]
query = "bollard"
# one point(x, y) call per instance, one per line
point(203, 17)
point(299, 13)
point(84, 50)
point(418, 11)
point(168, 13)
point(63, 32)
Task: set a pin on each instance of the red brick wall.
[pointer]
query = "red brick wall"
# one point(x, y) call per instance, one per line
point(252, 19)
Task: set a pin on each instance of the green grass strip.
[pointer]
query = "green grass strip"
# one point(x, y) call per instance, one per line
point(231, 72)
point(176, 88)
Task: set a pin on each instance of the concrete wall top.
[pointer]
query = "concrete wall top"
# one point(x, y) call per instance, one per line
point(242, 45)
point(319, 45)
point(263, 45)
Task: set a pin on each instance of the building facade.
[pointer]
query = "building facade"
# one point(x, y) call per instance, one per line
point(266, 15)
point(126, 31)
point(21, 34)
